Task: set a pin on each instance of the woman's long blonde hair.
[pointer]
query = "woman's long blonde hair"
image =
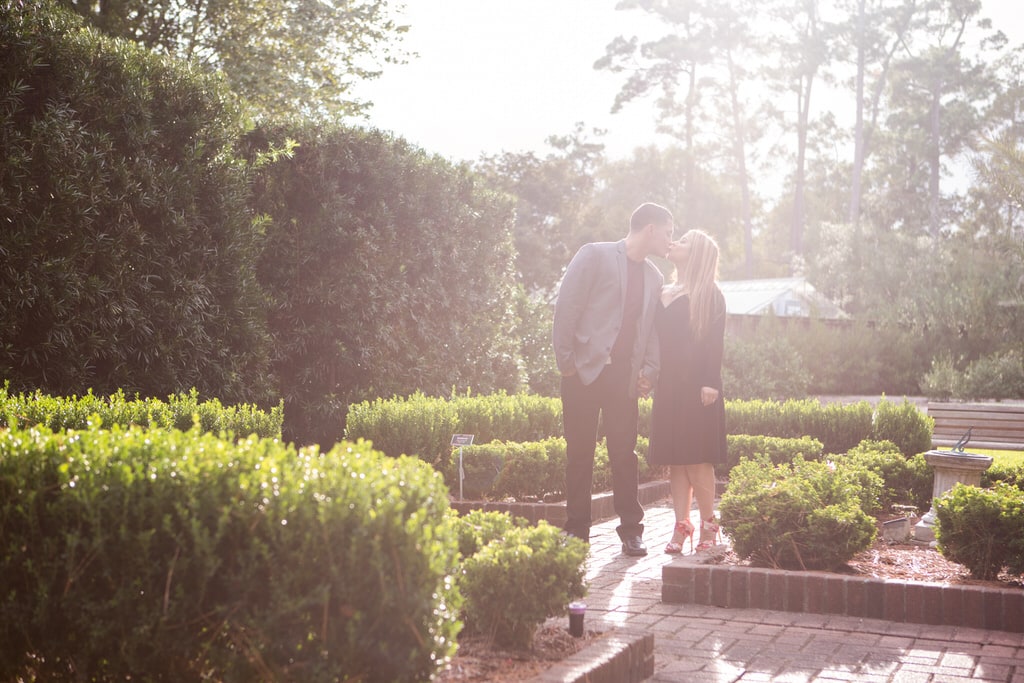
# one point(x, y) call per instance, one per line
point(698, 277)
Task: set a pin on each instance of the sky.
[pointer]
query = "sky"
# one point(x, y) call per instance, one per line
point(504, 75)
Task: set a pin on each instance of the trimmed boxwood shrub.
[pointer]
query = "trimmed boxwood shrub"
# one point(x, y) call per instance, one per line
point(179, 556)
point(804, 515)
point(904, 425)
point(515, 582)
point(906, 481)
point(982, 529)
point(180, 411)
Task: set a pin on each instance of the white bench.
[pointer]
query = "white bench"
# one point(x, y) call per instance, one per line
point(998, 426)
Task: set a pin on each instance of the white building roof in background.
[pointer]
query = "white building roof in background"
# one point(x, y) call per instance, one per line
point(784, 297)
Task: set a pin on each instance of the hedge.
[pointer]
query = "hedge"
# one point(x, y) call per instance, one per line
point(838, 427)
point(163, 555)
point(423, 426)
point(128, 247)
point(180, 411)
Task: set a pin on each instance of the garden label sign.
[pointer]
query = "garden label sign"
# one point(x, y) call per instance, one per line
point(461, 440)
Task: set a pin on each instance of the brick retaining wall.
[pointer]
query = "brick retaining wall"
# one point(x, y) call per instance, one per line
point(622, 656)
point(686, 582)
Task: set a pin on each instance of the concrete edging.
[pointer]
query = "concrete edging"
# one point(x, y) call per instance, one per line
point(620, 656)
point(687, 582)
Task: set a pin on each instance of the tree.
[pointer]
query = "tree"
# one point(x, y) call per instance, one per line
point(697, 70)
point(283, 56)
point(935, 101)
point(553, 197)
point(874, 33)
point(388, 271)
point(800, 53)
point(668, 65)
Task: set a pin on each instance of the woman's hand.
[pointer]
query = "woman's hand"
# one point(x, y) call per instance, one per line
point(708, 395)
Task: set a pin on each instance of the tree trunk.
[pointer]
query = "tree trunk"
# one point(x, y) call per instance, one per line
point(856, 174)
point(740, 152)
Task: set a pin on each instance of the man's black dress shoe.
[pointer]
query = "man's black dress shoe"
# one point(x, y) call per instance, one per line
point(634, 546)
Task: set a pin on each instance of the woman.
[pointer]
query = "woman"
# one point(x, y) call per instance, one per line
point(688, 414)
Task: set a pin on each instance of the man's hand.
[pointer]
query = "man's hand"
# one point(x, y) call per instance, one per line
point(643, 386)
point(708, 395)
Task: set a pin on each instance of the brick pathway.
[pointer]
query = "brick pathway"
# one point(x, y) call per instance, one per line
point(697, 643)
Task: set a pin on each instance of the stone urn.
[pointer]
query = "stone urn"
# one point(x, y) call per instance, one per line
point(951, 468)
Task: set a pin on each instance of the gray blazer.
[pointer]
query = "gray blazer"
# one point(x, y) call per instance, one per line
point(589, 309)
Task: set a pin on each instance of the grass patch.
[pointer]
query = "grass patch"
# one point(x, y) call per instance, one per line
point(1002, 457)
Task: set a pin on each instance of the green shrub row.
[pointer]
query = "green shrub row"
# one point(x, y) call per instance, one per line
point(423, 426)
point(838, 427)
point(163, 555)
point(180, 411)
point(532, 470)
point(982, 529)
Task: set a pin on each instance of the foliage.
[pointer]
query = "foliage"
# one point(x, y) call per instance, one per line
point(903, 425)
point(905, 481)
point(423, 425)
point(283, 57)
point(942, 381)
point(763, 367)
point(180, 411)
point(804, 515)
point(838, 427)
point(997, 376)
point(554, 214)
point(982, 529)
point(777, 450)
point(477, 528)
point(180, 556)
point(388, 271)
point(535, 317)
point(127, 245)
point(532, 470)
point(1007, 470)
point(517, 581)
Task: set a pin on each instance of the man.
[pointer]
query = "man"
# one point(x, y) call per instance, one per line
point(607, 353)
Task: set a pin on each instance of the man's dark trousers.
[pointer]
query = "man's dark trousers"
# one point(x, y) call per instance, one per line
point(606, 398)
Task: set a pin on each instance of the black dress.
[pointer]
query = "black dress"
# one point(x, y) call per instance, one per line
point(683, 431)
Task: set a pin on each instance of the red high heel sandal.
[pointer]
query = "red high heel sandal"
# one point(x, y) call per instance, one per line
point(684, 529)
point(708, 529)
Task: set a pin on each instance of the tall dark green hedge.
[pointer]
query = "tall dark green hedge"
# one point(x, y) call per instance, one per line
point(388, 271)
point(126, 243)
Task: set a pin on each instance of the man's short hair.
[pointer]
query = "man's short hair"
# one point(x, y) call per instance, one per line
point(648, 213)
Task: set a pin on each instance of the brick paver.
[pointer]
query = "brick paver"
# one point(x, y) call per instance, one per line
point(720, 645)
